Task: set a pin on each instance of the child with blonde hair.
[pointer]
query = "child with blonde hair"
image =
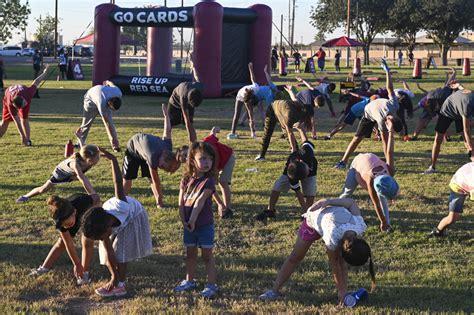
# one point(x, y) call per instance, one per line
point(69, 170)
point(195, 211)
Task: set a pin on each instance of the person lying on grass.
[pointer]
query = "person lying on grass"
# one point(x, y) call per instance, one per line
point(339, 223)
point(121, 225)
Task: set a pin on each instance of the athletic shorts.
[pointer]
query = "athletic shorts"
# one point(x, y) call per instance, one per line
point(225, 175)
point(202, 236)
point(176, 115)
point(350, 118)
point(22, 113)
point(444, 122)
point(365, 127)
point(307, 233)
point(131, 165)
point(308, 185)
point(62, 68)
point(456, 202)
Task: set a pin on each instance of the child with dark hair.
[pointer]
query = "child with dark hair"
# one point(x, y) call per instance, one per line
point(325, 88)
point(121, 224)
point(16, 107)
point(297, 57)
point(301, 166)
point(378, 113)
point(461, 186)
point(246, 97)
point(405, 96)
point(149, 153)
point(62, 64)
point(101, 100)
point(310, 97)
point(72, 168)
point(338, 222)
point(287, 113)
point(195, 211)
point(183, 101)
point(67, 214)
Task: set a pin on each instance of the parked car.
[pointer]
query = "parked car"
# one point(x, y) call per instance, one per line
point(27, 52)
point(86, 52)
point(10, 51)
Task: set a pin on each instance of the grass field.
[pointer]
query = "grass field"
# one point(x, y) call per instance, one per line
point(414, 274)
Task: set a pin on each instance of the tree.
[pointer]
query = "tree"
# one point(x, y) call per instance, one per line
point(138, 34)
point(404, 21)
point(13, 16)
point(45, 32)
point(368, 18)
point(445, 20)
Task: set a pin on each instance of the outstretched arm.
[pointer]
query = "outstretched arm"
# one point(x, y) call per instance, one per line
point(116, 174)
point(348, 203)
point(339, 271)
point(305, 83)
point(111, 132)
point(41, 77)
point(267, 75)
point(389, 84)
point(289, 89)
point(166, 122)
point(194, 70)
point(252, 75)
point(420, 88)
point(189, 125)
point(82, 178)
point(390, 146)
point(450, 78)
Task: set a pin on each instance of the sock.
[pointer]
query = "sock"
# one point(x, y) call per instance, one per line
point(121, 284)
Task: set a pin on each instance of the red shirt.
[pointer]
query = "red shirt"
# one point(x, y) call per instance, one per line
point(223, 152)
point(320, 54)
point(13, 91)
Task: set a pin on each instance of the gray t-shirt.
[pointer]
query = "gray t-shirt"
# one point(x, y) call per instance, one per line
point(149, 148)
point(179, 97)
point(99, 95)
point(457, 105)
point(379, 109)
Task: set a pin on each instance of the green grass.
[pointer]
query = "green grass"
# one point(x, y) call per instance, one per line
point(414, 274)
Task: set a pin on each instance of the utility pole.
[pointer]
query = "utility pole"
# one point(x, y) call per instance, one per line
point(55, 49)
point(182, 38)
point(289, 20)
point(281, 32)
point(292, 41)
point(348, 56)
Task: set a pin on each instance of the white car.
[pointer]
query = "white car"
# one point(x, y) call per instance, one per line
point(27, 52)
point(10, 51)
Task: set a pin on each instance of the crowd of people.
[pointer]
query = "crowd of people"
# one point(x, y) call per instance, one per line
point(121, 222)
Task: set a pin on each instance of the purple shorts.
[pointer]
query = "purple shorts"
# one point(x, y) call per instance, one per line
point(307, 233)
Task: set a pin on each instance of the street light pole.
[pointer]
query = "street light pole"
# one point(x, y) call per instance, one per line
point(348, 55)
point(55, 30)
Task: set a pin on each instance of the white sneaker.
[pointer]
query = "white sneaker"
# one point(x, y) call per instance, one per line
point(430, 170)
point(270, 295)
point(85, 279)
point(38, 271)
point(232, 136)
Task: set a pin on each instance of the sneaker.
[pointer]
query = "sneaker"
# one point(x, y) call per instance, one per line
point(265, 215)
point(260, 158)
point(185, 285)
point(327, 138)
point(29, 143)
point(232, 136)
point(22, 199)
point(253, 136)
point(384, 65)
point(414, 138)
point(228, 213)
point(436, 233)
point(270, 295)
point(341, 165)
point(406, 138)
point(209, 291)
point(115, 292)
point(430, 170)
point(85, 279)
point(38, 271)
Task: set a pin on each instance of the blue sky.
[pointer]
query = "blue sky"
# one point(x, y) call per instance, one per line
point(76, 15)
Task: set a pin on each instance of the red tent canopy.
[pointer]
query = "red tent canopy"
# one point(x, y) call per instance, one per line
point(343, 41)
point(89, 40)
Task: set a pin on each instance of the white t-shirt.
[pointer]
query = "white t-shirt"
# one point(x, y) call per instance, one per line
point(100, 95)
point(332, 222)
point(123, 211)
point(463, 180)
point(241, 93)
point(379, 109)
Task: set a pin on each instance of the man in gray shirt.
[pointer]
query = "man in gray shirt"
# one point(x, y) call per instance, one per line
point(101, 100)
point(381, 113)
point(458, 107)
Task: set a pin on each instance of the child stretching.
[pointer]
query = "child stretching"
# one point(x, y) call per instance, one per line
point(195, 200)
point(69, 170)
point(121, 224)
point(461, 185)
point(67, 214)
point(300, 166)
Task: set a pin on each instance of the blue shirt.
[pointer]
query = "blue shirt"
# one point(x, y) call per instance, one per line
point(358, 108)
point(307, 96)
point(266, 93)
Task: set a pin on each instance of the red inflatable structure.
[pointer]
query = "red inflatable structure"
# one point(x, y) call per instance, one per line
point(225, 41)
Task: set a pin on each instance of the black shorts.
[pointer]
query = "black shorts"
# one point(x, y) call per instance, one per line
point(365, 127)
point(131, 164)
point(176, 115)
point(36, 67)
point(444, 122)
point(62, 68)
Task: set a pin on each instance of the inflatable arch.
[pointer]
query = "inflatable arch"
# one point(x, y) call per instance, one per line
point(225, 40)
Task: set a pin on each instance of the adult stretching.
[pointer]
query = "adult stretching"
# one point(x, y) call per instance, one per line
point(101, 100)
point(338, 222)
point(16, 107)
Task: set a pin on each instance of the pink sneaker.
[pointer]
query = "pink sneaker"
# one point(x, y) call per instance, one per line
point(117, 292)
